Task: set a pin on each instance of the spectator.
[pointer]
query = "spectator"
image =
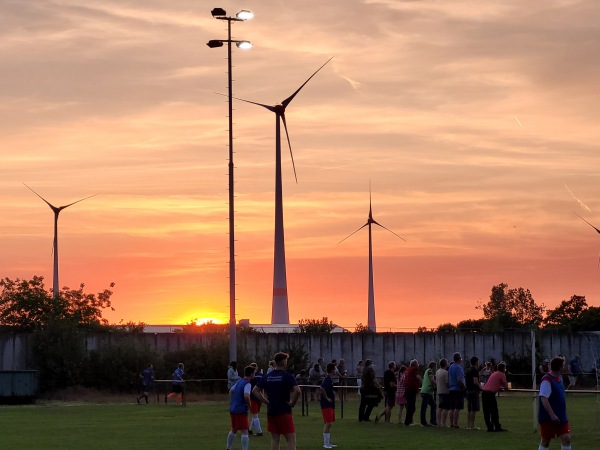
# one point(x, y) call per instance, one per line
point(441, 378)
point(400, 389)
point(389, 388)
point(495, 383)
point(370, 394)
point(412, 383)
point(232, 374)
point(428, 396)
point(575, 372)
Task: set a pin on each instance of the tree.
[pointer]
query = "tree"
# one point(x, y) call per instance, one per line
point(363, 329)
point(564, 316)
point(511, 308)
point(588, 320)
point(316, 326)
point(471, 325)
point(446, 328)
point(26, 305)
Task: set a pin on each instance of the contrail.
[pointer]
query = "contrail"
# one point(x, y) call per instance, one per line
point(518, 121)
point(578, 201)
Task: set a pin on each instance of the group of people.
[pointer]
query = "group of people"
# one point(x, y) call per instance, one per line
point(478, 386)
point(443, 391)
point(444, 388)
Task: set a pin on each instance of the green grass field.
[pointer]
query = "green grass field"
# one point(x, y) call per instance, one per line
point(204, 425)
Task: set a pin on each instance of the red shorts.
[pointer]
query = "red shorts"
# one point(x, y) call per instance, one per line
point(254, 406)
point(550, 430)
point(328, 415)
point(239, 421)
point(281, 424)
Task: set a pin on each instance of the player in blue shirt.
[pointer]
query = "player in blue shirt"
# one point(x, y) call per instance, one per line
point(147, 377)
point(282, 394)
point(178, 382)
point(239, 403)
point(552, 408)
point(328, 405)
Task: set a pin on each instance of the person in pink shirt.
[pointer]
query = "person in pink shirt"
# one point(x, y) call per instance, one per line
point(495, 383)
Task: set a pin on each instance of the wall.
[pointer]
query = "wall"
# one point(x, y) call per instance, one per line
point(15, 348)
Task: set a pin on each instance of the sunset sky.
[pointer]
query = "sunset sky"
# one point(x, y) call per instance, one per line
point(476, 124)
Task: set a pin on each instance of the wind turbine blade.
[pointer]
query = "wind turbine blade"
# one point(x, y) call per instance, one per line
point(289, 144)
point(47, 202)
point(66, 206)
point(291, 97)
point(270, 108)
point(353, 233)
point(377, 223)
point(587, 222)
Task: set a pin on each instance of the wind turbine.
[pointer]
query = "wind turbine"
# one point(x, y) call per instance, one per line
point(56, 210)
point(370, 221)
point(280, 310)
point(593, 228)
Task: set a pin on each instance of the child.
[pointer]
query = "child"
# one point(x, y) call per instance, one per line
point(328, 405)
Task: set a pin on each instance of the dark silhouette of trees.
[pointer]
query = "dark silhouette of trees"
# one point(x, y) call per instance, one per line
point(511, 308)
point(323, 325)
point(26, 305)
point(565, 314)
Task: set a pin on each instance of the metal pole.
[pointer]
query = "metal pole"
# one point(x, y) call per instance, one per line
point(232, 321)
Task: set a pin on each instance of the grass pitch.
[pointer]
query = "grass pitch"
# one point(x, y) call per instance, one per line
point(204, 425)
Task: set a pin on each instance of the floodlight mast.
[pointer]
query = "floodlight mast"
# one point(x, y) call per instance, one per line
point(221, 14)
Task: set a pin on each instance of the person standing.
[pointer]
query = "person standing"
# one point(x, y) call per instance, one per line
point(178, 383)
point(147, 377)
point(494, 384)
point(412, 383)
point(328, 405)
point(552, 408)
point(428, 396)
point(400, 398)
point(456, 386)
point(485, 372)
point(232, 374)
point(255, 403)
point(239, 403)
point(314, 378)
point(282, 394)
point(574, 372)
point(389, 388)
point(441, 378)
point(360, 366)
point(370, 394)
point(341, 368)
point(473, 388)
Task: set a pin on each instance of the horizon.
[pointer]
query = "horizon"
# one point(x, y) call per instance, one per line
point(475, 124)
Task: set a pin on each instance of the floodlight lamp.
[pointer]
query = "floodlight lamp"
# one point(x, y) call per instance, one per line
point(214, 43)
point(244, 45)
point(244, 15)
point(218, 12)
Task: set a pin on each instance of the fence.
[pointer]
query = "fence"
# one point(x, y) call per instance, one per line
point(15, 348)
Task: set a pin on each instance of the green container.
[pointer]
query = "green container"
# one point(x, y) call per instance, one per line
point(18, 384)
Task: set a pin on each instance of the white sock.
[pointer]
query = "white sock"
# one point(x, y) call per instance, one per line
point(256, 425)
point(565, 447)
point(230, 438)
point(245, 440)
point(326, 437)
point(542, 448)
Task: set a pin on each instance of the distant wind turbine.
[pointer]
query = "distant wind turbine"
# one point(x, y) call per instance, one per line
point(56, 210)
point(370, 221)
point(280, 310)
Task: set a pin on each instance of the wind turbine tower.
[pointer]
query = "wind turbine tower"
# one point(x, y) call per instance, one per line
point(370, 221)
point(280, 309)
point(56, 210)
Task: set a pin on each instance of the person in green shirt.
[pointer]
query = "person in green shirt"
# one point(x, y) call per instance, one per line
point(428, 396)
